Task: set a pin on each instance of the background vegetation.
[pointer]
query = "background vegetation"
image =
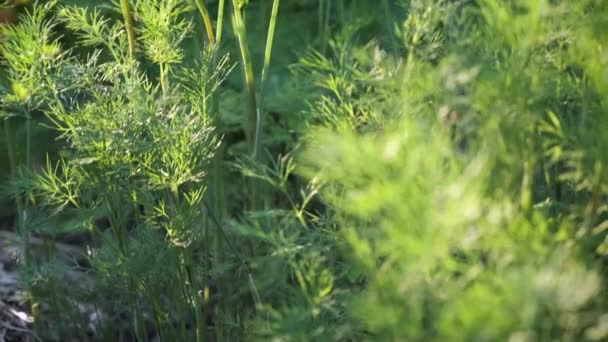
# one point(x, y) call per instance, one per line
point(386, 170)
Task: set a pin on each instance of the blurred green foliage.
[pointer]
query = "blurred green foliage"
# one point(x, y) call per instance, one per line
point(463, 178)
point(436, 171)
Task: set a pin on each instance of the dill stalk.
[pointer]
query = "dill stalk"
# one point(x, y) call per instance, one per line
point(130, 28)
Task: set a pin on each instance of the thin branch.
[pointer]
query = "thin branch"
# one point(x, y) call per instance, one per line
point(207, 20)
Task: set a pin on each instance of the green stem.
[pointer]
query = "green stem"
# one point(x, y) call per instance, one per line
point(218, 191)
point(130, 28)
point(248, 73)
point(265, 70)
point(320, 17)
point(220, 22)
point(207, 19)
point(526, 185)
point(217, 164)
point(252, 118)
point(158, 312)
point(325, 31)
point(217, 172)
point(252, 287)
point(185, 296)
point(20, 203)
point(24, 214)
point(163, 77)
point(193, 288)
point(9, 146)
point(12, 169)
point(28, 141)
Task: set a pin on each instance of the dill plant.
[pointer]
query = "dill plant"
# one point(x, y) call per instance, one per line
point(137, 154)
point(461, 179)
point(133, 174)
point(447, 181)
point(28, 53)
point(461, 215)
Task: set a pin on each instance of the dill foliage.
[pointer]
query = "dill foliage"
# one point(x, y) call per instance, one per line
point(422, 170)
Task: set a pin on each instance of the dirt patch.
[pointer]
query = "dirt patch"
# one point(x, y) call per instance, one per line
point(16, 322)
